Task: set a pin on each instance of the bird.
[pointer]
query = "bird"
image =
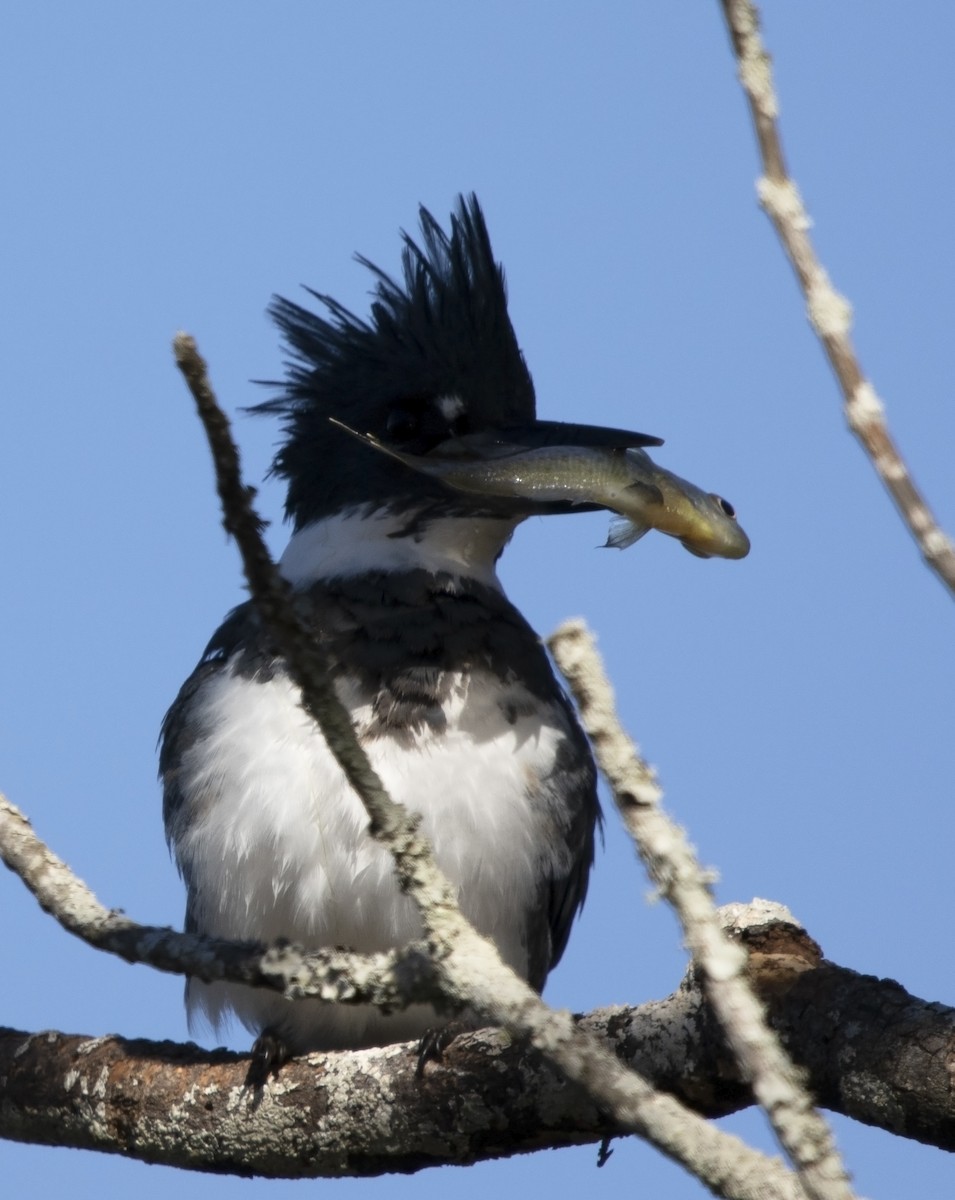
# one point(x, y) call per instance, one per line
point(449, 688)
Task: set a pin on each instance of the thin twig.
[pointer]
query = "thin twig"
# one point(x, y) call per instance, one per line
point(830, 314)
point(471, 967)
point(393, 980)
point(674, 868)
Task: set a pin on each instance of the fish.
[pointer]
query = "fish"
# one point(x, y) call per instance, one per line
point(621, 478)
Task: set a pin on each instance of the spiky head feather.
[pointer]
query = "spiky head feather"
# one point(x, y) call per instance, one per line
point(438, 357)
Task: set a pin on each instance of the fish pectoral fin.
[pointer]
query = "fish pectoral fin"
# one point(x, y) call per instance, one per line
point(624, 532)
point(649, 493)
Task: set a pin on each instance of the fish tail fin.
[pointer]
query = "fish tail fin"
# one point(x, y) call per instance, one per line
point(624, 532)
point(370, 440)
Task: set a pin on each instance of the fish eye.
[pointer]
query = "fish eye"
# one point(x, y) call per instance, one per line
point(725, 506)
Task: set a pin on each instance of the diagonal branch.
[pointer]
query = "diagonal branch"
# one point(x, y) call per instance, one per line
point(829, 313)
point(674, 868)
point(391, 980)
point(472, 970)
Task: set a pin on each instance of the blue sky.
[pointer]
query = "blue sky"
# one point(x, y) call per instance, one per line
point(171, 166)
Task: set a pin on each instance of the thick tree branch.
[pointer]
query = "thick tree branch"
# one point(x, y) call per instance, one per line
point(871, 1051)
point(673, 866)
point(472, 971)
point(829, 313)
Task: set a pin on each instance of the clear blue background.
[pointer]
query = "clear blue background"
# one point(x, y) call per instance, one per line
point(172, 165)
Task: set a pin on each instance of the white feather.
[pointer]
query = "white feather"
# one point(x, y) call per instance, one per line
point(280, 842)
point(362, 539)
point(275, 842)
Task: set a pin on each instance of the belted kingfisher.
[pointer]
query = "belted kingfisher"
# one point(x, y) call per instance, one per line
point(449, 688)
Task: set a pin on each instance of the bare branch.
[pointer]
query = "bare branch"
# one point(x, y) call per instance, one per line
point(33, 1106)
point(673, 866)
point(830, 314)
point(873, 1052)
point(391, 980)
point(473, 972)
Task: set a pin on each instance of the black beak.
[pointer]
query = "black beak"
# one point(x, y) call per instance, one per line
point(558, 433)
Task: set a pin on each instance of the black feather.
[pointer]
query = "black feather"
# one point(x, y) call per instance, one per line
point(443, 330)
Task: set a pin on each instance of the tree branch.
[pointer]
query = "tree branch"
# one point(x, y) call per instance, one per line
point(673, 866)
point(391, 980)
point(872, 1052)
point(830, 314)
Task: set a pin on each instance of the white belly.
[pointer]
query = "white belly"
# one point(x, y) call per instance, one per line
point(277, 845)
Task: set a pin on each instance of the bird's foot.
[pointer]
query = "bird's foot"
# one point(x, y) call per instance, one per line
point(269, 1053)
point(434, 1042)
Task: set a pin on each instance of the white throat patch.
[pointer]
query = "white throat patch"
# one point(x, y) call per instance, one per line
point(362, 539)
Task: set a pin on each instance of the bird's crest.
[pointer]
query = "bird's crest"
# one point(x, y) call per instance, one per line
point(437, 356)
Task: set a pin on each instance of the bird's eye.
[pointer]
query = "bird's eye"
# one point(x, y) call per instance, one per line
point(725, 506)
point(420, 422)
point(459, 425)
point(401, 425)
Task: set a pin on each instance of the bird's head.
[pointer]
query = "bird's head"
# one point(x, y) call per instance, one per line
point(437, 359)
